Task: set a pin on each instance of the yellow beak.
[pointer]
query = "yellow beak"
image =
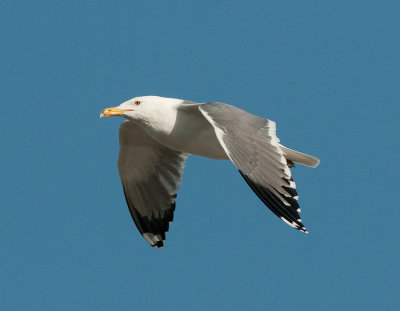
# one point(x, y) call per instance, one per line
point(114, 111)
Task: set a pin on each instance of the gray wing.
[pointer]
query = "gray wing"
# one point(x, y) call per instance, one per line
point(252, 145)
point(151, 175)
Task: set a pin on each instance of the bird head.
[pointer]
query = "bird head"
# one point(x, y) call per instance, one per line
point(140, 107)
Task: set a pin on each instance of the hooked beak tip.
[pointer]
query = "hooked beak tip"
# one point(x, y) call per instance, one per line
point(104, 114)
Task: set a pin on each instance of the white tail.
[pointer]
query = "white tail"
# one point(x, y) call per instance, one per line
point(299, 157)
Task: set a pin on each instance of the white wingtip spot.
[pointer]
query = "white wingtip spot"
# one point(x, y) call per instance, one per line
point(303, 229)
point(148, 238)
point(152, 239)
point(157, 238)
point(292, 224)
point(296, 197)
point(299, 209)
point(286, 170)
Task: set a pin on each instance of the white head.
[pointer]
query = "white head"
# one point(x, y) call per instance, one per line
point(142, 108)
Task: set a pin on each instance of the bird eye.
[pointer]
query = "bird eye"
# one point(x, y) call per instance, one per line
point(137, 103)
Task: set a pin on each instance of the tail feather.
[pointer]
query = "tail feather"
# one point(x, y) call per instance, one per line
point(299, 157)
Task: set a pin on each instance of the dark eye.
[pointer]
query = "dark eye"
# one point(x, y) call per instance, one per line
point(137, 103)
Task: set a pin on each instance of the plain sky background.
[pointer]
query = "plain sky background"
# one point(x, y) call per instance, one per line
point(326, 71)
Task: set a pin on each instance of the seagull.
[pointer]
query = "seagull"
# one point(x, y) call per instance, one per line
point(160, 133)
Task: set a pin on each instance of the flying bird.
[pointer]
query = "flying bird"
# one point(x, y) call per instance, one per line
point(160, 133)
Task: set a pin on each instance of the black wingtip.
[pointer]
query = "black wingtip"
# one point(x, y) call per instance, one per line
point(158, 244)
point(288, 212)
point(153, 229)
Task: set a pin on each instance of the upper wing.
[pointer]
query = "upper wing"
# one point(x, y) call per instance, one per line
point(252, 145)
point(151, 174)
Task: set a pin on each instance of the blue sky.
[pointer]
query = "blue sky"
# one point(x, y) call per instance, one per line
point(326, 72)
